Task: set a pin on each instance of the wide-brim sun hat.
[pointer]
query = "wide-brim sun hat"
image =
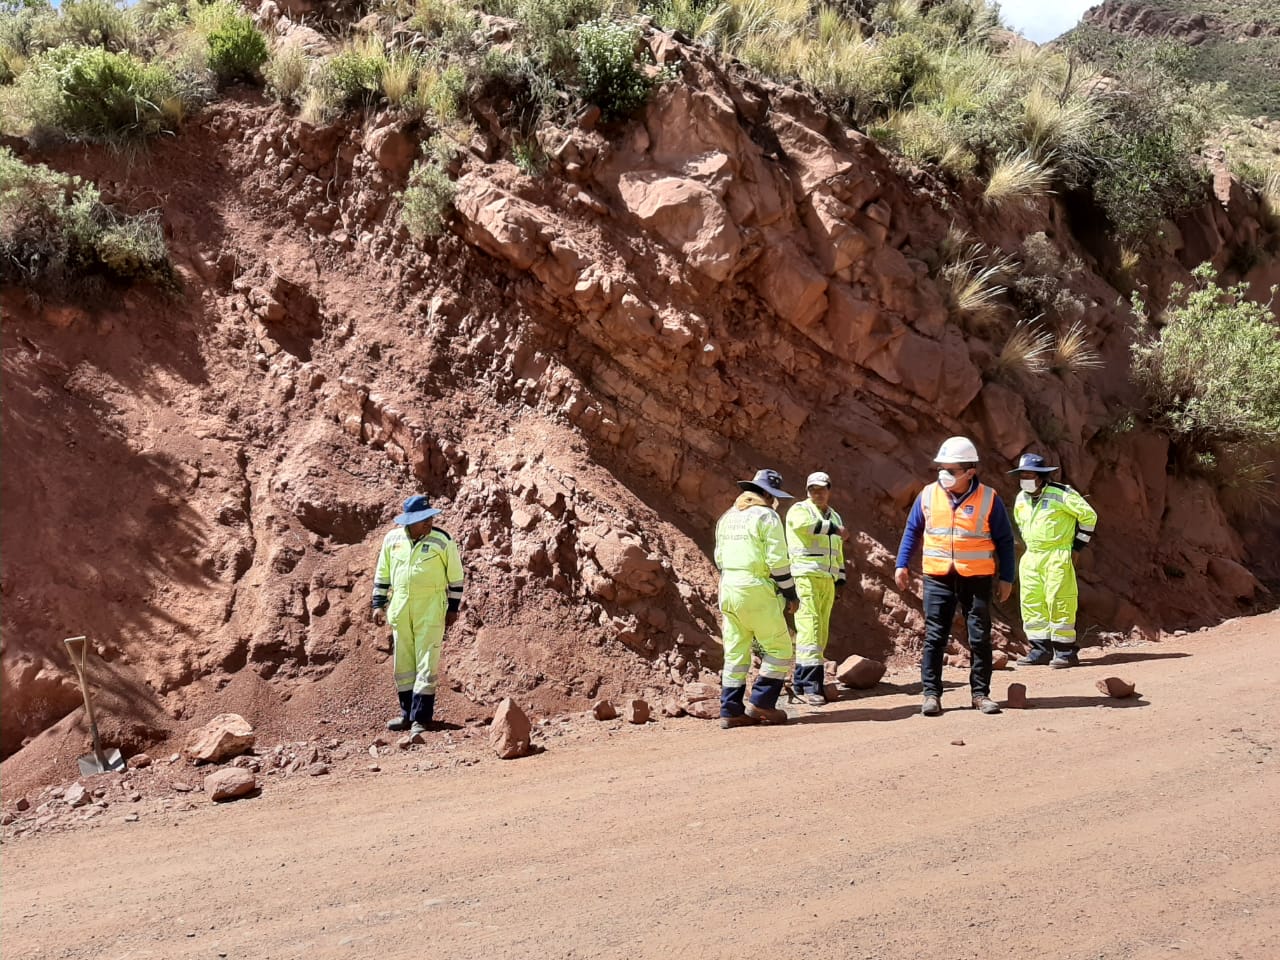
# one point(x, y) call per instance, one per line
point(768, 481)
point(416, 509)
point(1032, 463)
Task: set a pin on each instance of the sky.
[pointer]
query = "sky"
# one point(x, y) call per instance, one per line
point(1042, 20)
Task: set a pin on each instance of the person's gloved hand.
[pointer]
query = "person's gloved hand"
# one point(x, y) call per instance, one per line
point(1004, 591)
point(451, 618)
point(378, 617)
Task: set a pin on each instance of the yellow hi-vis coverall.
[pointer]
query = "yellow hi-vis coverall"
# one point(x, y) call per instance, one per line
point(424, 580)
point(1051, 525)
point(817, 563)
point(755, 576)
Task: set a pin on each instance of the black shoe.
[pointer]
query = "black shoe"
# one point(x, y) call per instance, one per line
point(1036, 658)
point(931, 707)
point(728, 723)
point(398, 724)
point(1065, 658)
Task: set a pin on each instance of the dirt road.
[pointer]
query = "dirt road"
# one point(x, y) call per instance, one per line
point(1082, 828)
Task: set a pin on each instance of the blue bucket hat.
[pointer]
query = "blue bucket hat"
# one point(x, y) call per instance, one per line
point(1032, 463)
point(416, 509)
point(769, 481)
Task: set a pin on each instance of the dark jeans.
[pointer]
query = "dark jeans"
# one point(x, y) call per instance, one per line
point(941, 597)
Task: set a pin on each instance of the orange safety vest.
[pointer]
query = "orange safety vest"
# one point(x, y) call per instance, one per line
point(958, 537)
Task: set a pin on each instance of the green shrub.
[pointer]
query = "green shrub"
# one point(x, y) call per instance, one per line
point(427, 200)
point(92, 94)
point(236, 49)
point(609, 68)
point(353, 76)
point(1211, 371)
point(55, 229)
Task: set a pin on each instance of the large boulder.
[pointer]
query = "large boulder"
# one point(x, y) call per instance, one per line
point(223, 737)
point(229, 783)
point(859, 672)
point(511, 731)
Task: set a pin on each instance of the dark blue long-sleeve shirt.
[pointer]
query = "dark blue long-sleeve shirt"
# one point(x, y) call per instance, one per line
point(1001, 533)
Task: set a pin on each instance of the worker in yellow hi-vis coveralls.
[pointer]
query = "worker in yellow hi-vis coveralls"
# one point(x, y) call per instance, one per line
point(815, 537)
point(1054, 521)
point(755, 580)
point(418, 583)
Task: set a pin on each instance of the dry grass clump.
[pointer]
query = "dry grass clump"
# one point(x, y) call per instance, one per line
point(1027, 352)
point(1019, 179)
point(1073, 351)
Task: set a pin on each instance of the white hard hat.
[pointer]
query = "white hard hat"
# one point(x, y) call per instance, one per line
point(957, 450)
point(818, 479)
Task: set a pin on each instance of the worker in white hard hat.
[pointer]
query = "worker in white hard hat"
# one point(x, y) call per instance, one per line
point(967, 544)
point(815, 538)
point(755, 587)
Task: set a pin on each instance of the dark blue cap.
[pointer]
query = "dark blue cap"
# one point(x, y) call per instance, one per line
point(416, 509)
point(1032, 463)
point(768, 481)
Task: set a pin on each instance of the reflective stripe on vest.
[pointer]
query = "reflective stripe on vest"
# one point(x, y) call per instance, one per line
point(958, 537)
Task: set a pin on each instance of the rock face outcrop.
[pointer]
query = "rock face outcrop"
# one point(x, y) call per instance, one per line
point(576, 374)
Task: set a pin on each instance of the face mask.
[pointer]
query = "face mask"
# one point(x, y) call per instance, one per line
point(946, 479)
point(1028, 485)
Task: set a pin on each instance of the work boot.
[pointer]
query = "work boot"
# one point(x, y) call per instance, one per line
point(417, 728)
point(1039, 654)
point(406, 703)
point(728, 723)
point(931, 707)
point(768, 715)
point(815, 699)
point(985, 704)
point(1064, 657)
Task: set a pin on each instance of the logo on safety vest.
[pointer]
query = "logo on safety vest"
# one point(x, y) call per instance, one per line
point(968, 510)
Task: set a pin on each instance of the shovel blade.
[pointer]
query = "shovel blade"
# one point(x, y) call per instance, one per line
point(111, 761)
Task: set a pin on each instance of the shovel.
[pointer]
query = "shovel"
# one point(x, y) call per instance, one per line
point(98, 761)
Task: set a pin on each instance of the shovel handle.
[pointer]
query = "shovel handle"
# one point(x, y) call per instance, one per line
point(79, 664)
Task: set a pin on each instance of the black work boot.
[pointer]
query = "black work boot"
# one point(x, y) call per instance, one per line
point(1064, 656)
point(1039, 655)
point(402, 722)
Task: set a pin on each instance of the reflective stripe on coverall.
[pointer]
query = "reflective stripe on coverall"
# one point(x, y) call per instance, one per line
point(1048, 592)
point(424, 580)
point(817, 563)
point(751, 552)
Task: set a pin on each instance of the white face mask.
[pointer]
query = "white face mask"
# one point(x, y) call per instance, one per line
point(1028, 485)
point(946, 479)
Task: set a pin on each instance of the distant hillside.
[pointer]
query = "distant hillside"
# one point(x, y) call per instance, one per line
point(1233, 41)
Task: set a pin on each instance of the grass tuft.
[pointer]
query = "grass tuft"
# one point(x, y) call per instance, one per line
point(1027, 352)
point(1016, 179)
point(1074, 352)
